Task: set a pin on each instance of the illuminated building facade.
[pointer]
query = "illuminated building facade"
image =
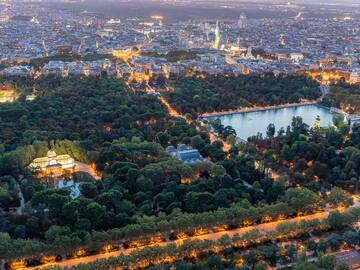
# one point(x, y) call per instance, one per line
point(52, 165)
point(8, 94)
point(355, 77)
point(296, 57)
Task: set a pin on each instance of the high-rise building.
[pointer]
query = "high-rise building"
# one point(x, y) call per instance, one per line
point(217, 34)
point(207, 30)
point(242, 21)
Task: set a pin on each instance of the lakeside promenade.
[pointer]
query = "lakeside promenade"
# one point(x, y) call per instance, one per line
point(257, 109)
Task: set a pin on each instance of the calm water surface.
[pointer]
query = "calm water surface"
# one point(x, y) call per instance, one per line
point(249, 124)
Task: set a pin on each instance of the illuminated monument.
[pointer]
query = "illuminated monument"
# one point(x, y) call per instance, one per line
point(317, 123)
point(52, 165)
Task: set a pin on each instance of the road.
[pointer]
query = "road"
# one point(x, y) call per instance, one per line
point(171, 110)
point(213, 137)
point(263, 228)
point(266, 227)
point(82, 167)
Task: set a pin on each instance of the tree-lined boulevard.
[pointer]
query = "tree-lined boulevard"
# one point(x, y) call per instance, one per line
point(262, 228)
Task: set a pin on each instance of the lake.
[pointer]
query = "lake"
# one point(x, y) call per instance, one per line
point(248, 124)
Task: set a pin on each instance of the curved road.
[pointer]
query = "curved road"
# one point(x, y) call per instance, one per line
point(263, 228)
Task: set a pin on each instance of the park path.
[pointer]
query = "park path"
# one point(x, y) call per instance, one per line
point(263, 228)
point(82, 167)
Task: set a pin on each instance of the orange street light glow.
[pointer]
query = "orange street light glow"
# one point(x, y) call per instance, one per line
point(157, 17)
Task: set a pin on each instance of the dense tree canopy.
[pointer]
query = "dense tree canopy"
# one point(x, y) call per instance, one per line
point(318, 159)
point(344, 96)
point(221, 93)
point(92, 110)
point(144, 193)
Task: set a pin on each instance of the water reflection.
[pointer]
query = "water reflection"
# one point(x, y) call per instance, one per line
point(249, 124)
